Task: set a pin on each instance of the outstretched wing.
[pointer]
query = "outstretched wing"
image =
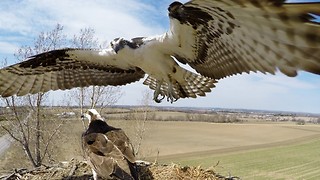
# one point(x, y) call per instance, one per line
point(226, 37)
point(66, 69)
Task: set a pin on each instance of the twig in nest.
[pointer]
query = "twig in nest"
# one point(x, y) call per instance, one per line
point(73, 169)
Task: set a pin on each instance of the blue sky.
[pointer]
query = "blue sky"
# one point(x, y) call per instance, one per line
point(21, 21)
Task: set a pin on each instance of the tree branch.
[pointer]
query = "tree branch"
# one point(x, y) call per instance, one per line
point(12, 135)
point(50, 139)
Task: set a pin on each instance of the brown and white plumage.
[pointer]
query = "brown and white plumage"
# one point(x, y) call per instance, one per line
point(217, 38)
point(244, 36)
point(108, 149)
point(63, 69)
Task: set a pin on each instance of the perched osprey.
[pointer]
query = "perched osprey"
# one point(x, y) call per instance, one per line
point(108, 149)
point(217, 38)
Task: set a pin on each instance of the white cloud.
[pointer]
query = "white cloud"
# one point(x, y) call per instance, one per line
point(110, 19)
point(6, 47)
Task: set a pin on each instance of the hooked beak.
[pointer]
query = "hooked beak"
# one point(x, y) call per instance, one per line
point(116, 48)
point(117, 44)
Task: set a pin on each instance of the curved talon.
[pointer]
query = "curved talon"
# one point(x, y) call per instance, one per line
point(176, 99)
point(158, 100)
point(168, 99)
point(157, 92)
point(171, 99)
point(170, 94)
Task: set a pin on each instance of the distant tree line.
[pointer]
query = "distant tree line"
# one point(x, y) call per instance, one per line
point(195, 117)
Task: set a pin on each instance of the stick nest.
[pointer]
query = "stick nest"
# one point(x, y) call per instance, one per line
point(80, 170)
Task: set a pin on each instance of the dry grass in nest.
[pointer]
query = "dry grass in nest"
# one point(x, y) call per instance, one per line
point(79, 170)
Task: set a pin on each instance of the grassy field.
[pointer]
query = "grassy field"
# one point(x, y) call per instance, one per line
point(298, 161)
point(249, 150)
point(174, 138)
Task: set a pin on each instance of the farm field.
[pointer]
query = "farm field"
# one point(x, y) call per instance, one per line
point(250, 151)
point(298, 161)
point(186, 137)
point(263, 150)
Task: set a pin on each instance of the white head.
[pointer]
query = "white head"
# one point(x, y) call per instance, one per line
point(92, 115)
point(117, 44)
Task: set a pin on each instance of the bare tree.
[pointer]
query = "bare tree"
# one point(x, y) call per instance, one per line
point(141, 116)
point(93, 96)
point(85, 40)
point(26, 127)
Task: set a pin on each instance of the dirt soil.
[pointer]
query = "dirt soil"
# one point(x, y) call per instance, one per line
point(79, 170)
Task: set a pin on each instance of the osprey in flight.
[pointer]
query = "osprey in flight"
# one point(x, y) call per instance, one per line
point(217, 38)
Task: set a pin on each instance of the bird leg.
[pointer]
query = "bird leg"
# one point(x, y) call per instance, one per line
point(157, 92)
point(171, 95)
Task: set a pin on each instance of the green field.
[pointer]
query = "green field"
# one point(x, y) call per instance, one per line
point(299, 161)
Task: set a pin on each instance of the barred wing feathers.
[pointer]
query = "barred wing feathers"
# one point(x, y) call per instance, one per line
point(65, 69)
point(232, 37)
